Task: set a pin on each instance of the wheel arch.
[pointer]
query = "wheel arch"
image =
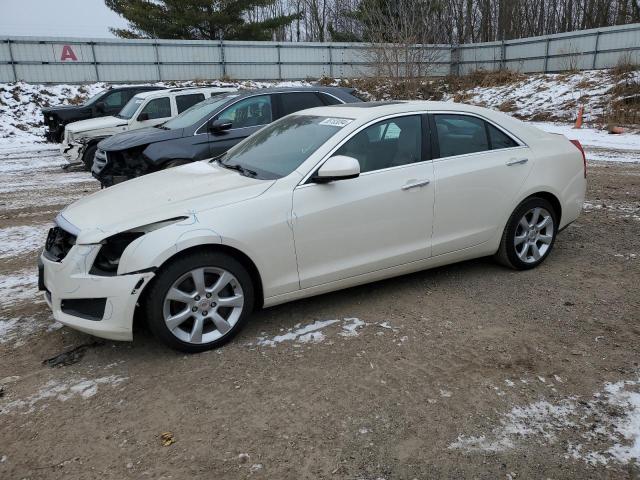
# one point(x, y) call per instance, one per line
point(552, 199)
point(238, 255)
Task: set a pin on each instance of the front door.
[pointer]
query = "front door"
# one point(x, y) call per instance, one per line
point(246, 116)
point(378, 220)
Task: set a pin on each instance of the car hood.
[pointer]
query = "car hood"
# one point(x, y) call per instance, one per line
point(95, 124)
point(137, 138)
point(61, 108)
point(176, 192)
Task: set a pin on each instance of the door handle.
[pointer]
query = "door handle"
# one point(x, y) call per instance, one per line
point(419, 183)
point(513, 161)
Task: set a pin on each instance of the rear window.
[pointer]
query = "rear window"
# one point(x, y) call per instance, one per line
point(185, 101)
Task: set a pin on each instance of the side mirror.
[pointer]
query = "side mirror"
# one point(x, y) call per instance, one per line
point(143, 117)
point(339, 167)
point(219, 126)
point(101, 107)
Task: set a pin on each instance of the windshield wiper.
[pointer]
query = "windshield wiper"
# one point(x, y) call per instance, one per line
point(247, 172)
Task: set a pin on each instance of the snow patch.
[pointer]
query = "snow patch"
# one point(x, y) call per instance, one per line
point(61, 390)
point(18, 286)
point(311, 333)
point(15, 329)
point(22, 239)
point(614, 412)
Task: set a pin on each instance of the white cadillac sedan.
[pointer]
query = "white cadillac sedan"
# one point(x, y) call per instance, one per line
point(320, 200)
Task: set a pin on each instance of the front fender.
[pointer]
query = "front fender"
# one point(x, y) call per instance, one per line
point(154, 248)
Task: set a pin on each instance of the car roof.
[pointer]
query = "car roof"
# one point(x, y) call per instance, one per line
point(162, 93)
point(292, 89)
point(368, 111)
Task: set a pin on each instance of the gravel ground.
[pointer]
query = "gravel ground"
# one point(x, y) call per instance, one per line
point(465, 371)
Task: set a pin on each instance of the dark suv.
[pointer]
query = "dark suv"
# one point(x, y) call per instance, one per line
point(107, 102)
point(205, 130)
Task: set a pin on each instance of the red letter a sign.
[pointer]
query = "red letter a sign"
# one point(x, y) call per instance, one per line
point(67, 54)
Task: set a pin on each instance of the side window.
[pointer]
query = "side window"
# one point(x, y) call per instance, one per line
point(249, 112)
point(115, 100)
point(185, 101)
point(329, 99)
point(386, 144)
point(157, 108)
point(294, 102)
point(499, 139)
point(460, 134)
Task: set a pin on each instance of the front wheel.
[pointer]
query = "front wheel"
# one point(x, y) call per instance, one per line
point(529, 235)
point(200, 301)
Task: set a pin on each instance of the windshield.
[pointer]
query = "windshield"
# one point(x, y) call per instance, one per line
point(278, 149)
point(130, 108)
point(93, 99)
point(197, 112)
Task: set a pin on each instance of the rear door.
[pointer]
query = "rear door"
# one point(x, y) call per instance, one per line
point(155, 112)
point(247, 116)
point(114, 101)
point(295, 101)
point(479, 169)
point(187, 100)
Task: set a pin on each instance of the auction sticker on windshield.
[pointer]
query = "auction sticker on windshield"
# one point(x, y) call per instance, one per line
point(336, 122)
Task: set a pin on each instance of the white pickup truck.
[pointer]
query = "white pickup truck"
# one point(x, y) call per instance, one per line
point(146, 109)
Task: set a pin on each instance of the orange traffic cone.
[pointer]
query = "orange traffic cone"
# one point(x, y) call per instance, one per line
point(579, 119)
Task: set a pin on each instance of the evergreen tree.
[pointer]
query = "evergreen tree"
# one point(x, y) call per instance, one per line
point(196, 19)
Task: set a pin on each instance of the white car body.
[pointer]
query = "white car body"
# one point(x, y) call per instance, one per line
point(306, 238)
point(78, 135)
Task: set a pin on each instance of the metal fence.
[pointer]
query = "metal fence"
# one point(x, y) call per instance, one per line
point(73, 60)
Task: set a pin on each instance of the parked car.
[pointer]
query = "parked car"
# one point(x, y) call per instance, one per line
point(204, 131)
point(145, 109)
point(321, 200)
point(107, 102)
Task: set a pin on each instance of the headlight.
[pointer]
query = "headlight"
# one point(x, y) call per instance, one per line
point(51, 118)
point(108, 258)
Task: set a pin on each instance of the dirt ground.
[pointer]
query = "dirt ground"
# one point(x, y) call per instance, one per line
point(466, 371)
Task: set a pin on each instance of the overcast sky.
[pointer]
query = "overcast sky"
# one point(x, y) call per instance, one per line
point(66, 18)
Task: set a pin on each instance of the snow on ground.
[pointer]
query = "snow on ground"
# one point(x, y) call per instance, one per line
point(15, 330)
point(61, 390)
point(607, 426)
point(18, 286)
point(312, 333)
point(554, 96)
point(22, 239)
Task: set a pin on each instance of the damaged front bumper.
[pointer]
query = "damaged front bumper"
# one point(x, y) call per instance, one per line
point(98, 305)
point(72, 151)
point(110, 168)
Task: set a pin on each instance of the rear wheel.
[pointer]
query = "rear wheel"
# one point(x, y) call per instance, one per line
point(87, 157)
point(199, 301)
point(529, 235)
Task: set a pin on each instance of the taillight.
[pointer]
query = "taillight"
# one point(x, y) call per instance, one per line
point(584, 158)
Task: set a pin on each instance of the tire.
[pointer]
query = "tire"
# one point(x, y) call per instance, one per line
point(177, 309)
point(527, 241)
point(88, 155)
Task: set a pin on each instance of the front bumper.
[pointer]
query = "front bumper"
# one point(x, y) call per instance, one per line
point(72, 151)
point(70, 280)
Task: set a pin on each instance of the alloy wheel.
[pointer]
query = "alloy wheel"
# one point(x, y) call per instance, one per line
point(534, 235)
point(203, 305)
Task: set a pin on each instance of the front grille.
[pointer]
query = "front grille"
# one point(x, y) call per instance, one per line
point(58, 244)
